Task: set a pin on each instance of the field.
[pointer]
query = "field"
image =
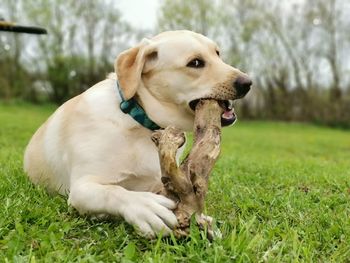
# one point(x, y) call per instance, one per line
point(280, 193)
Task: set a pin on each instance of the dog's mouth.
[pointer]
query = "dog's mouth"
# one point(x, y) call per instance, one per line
point(228, 117)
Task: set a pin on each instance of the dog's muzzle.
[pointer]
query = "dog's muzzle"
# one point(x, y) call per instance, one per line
point(241, 87)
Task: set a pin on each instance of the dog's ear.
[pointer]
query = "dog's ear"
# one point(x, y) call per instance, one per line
point(130, 65)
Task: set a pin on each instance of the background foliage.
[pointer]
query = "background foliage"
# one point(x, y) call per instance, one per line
point(296, 51)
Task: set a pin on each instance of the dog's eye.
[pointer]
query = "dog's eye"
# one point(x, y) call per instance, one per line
point(217, 53)
point(196, 63)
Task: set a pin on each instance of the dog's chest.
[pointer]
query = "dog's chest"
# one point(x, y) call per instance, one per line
point(140, 169)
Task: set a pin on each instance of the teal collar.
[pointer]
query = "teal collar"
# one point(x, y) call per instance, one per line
point(134, 109)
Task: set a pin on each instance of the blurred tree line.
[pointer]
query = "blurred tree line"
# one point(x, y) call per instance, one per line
point(296, 51)
point(83, 41)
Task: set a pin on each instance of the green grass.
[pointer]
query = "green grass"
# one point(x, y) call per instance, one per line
point(280, 193)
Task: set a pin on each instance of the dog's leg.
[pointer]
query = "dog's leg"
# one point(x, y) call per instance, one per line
point(148, 212)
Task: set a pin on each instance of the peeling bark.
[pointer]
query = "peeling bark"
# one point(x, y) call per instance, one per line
point(187, 183)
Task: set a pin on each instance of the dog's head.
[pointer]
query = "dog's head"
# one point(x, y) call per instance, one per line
point(171, 72)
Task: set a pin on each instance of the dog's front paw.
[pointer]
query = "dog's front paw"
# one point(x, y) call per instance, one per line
point(150, 213)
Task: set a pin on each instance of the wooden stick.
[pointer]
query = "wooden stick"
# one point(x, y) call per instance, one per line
point(188, 184)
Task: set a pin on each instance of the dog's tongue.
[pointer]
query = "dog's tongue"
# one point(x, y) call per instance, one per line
point(228, 114)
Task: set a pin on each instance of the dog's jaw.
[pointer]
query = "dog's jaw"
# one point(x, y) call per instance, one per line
point(165, 113)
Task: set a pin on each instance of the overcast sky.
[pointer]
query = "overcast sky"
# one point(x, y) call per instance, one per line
point(142, 14)
point(139, 13)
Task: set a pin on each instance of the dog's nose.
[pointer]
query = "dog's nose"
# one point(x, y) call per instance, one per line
point(242, 86)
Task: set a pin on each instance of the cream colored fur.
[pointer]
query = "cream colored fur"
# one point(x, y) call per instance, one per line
point(103, 159)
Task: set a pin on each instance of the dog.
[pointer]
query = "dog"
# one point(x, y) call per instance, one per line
point(98, 152)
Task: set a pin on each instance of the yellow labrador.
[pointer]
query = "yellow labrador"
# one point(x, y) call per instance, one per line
point(102, 157)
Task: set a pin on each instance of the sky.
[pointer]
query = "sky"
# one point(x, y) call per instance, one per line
point(140, 13)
